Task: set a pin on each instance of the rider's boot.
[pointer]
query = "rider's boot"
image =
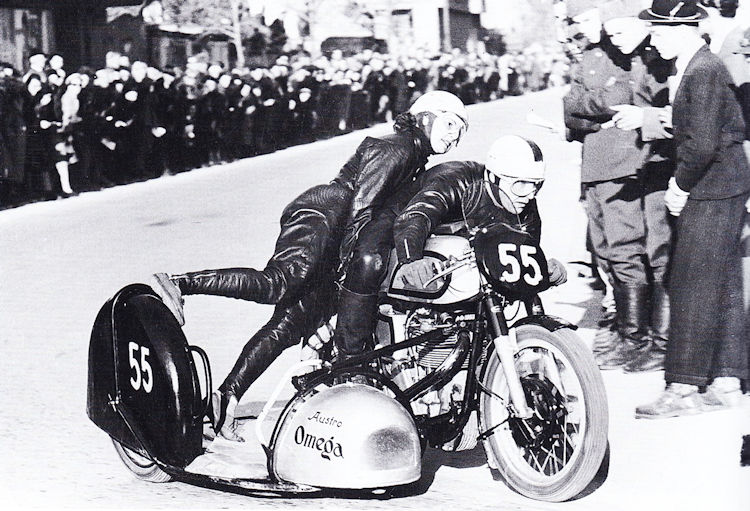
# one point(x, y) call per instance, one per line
point(267, 286)
point(355, 326)
point(632, 319)
point(652, 358)
point(356, 322)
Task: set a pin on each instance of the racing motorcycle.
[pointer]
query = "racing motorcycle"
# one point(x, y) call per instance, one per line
point(453, 366)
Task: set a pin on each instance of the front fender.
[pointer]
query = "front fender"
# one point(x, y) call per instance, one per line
point(551, 323)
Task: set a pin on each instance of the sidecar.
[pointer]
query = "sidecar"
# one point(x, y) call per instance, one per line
point(145, 392)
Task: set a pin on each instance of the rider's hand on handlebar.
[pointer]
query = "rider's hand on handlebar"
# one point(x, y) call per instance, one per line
point(417, 273)
point(557, 272)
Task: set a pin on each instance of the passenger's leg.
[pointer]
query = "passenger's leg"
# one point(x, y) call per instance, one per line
point(287, 326)
point(307, 246)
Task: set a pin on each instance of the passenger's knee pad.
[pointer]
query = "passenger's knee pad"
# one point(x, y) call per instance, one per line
point(365, 272)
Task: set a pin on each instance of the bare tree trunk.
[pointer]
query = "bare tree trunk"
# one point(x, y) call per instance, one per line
point(236, 33)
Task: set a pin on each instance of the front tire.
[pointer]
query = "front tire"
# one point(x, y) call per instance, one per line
point(554, 455)
point(142, 467)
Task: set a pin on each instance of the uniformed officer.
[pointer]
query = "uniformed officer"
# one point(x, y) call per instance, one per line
point(609, 173)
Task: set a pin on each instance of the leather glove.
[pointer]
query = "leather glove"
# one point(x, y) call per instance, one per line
point(557, 272)
point(416, 273)
point(675, 198)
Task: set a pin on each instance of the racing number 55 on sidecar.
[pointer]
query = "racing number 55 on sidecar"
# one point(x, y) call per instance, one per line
point(449, 370)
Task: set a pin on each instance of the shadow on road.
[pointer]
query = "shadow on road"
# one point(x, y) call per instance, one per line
point(599, 478)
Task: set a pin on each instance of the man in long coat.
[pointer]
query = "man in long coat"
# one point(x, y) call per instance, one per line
point(708, 194)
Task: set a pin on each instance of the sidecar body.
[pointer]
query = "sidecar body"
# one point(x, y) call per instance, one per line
point(145, 392)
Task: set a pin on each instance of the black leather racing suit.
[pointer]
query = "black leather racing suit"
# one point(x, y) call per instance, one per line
point(449, 192)
point(319, 229)
point(437, 197)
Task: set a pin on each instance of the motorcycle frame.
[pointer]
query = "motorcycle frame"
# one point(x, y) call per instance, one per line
point(442, 428)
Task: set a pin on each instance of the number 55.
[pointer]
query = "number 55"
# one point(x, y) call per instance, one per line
point(143, 376)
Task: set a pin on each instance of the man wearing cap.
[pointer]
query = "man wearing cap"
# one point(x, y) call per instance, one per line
point(646, 93)
point(610, 167)
point(707, 194)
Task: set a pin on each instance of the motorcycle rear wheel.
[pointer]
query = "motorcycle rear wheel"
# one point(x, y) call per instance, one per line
point(556, 454)
point(142, 467)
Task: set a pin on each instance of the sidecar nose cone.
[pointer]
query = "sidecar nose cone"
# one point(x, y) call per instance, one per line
point(347, 436)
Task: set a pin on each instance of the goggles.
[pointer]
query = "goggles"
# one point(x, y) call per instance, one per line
point(519, 187)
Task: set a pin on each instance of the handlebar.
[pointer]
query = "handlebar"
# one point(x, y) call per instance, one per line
point(453, 264)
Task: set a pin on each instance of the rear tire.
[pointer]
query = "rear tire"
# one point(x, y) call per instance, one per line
point(559, 459)
point(142, 467)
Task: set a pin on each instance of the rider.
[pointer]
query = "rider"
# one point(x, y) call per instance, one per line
point(503, 190)
point(320, 229)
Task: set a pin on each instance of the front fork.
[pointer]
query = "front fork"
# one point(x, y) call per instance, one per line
point(506, 346)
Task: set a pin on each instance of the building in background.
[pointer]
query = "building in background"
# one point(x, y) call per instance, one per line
point(67, 27)
point(521, 23)
point(403, 24)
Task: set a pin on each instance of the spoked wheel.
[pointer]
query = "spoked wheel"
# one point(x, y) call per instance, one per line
point(556, 453)
point(142, 467)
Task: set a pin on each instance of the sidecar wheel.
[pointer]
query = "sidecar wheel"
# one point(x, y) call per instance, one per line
point(142, 467)
point(554, 455)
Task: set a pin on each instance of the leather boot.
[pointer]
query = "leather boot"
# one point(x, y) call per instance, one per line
point(607, 337)
point(355, 325)
point(652, 358)
point(267, 286)
point(632, 319)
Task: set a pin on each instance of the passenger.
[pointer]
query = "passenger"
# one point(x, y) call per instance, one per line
point(319, 230)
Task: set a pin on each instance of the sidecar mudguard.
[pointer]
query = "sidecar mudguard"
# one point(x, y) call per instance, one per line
point(143, 387)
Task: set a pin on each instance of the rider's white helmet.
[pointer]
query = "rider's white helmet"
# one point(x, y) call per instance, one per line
point(439, 102)
point(515, 157)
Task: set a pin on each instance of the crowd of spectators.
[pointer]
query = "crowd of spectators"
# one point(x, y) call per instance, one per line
point(62, 133)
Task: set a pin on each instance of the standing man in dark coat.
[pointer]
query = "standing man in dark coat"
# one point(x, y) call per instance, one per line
point(707, 195)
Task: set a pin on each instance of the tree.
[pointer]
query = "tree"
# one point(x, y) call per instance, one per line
point(230, 17)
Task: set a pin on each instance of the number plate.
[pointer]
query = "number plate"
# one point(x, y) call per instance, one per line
point(512, 261)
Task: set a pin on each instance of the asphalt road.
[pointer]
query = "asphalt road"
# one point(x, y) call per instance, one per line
point(59, 261)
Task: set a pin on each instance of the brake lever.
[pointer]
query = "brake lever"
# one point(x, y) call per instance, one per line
point(465, 260)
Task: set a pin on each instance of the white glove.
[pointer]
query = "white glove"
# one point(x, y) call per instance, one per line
point(557, 272)
point(628, 117)
point(675, 198)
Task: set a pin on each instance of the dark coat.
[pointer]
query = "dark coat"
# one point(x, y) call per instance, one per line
point(379, 168)
point(708, 131)
point(449, 192)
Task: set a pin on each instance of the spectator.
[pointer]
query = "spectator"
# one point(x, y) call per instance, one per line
point(708, 194)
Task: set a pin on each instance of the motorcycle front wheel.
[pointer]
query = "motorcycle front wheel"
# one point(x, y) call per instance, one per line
point(554, 455)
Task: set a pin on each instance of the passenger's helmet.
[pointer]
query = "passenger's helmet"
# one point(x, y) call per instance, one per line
point(440, 102)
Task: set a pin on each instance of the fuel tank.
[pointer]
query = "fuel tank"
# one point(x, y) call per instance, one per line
point(462, 284)
point(346, 436)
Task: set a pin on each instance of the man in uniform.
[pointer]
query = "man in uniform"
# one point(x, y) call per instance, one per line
point(609, 172)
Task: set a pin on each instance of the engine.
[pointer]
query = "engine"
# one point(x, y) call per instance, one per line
point(408, 366)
